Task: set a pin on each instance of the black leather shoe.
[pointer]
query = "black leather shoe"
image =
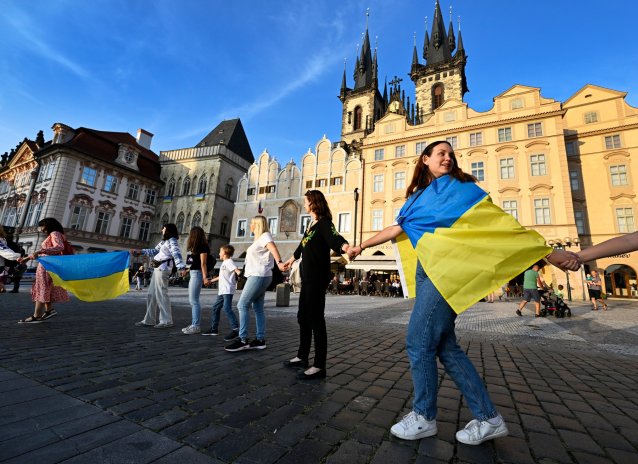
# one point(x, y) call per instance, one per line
point(317, 375)
point(296, 364)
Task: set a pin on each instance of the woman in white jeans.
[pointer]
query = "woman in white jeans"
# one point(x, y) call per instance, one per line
point(258, 272)
point(164, 255)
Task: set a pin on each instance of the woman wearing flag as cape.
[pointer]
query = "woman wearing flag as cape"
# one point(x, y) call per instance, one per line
point(455, 246)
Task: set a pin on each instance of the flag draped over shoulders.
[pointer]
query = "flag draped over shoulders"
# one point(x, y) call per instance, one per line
point(467, 246)
point(90, 277)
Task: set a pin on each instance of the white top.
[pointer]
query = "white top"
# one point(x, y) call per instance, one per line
point(6, 252)
point(227, 278)
point(259, 261)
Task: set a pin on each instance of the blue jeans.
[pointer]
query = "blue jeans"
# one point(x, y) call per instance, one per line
point(431, 335)
point(253, 294)
point(225, 301)
point(194, 289)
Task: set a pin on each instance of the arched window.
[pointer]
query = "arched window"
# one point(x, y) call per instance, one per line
point(201, 188)
point(223, 228)
point(438, 96)
point(188, 222)
point(358, 114)
point(164, 219)
point(197, 220)
point(186, 190)
point(180, 223)
point(228, 190)
point(171, 188)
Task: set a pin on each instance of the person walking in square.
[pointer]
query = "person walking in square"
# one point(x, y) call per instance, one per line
point(449, 225)
point(319, 238)
point(163, 256)
point(198, 247)
point(260, 259)
point(531, 283)
point(226, 288)
point(595, 288)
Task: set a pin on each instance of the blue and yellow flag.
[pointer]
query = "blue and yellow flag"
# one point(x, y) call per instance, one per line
point(90, 277)
point(467, 246)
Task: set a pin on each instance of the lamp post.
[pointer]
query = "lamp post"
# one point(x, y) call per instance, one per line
point(356, 204)
point(559, 244)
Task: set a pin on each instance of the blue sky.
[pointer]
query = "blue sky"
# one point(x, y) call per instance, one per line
point(178, 67)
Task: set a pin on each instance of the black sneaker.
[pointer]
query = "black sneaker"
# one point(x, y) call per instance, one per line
point(214, 332)
point(233, 334)
point(257, 344)
point(238, 345)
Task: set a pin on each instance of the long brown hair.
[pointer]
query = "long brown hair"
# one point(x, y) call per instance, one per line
point(423, 177)
point(196, 239)
point(318, 204)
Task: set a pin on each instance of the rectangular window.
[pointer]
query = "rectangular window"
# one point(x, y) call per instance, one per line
point(573, 180)
point(88, 176)
point(252, 190)
point(308, 184)
point(570, 148)
point(478, 170)
point(110, 183)
point(618, 175)
point(336, 180)
point(269, 189)
point(344, 222)
point(399, 152)
point(379, 153)
point(591, 117)
point(102, 224)
point(377, 183)
point(511, 207)
point(541, 211)
point(377, 219)
point(453, 141)
point(10, 217)
point(133, 191)
point(625, 220)
point(145, 228)
point(579, 216)
point(321, 182)
point(29, 217)
point(507, 168)
point(241, 228)
point(37, 214)
point(125, 227)
point(476, 139)
point(537, 164)
point(272, 226)
point(505, 134)
point(78, 217)
point(419, 147)
point(612, 141)
point(50, 169)
point(399, 180)
point(150, 197)
point(535, 129)
point(303, 224)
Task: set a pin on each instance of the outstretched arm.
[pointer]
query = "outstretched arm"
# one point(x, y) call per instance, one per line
point(385, 235)
point(614, 246)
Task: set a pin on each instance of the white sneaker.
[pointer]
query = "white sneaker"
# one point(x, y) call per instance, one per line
point(476, 432)
point(414, 426)
point(191, 330)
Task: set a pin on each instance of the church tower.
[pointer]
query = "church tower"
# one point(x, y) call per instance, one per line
point(363, 105)
point(443, 75)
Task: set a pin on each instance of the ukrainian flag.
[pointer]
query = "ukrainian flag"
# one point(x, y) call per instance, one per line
point(467, 246)
point(90, 277)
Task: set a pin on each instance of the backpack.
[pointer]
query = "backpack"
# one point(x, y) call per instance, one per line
point(68, 249)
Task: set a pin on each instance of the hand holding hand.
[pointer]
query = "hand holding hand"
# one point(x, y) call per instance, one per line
point(354, 251)
point(282, 267)
point(565, 260)
point(289, 263)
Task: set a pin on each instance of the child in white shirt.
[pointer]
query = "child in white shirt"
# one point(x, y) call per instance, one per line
point(227, 279)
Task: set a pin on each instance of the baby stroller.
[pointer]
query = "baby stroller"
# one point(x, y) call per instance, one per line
point(553, 305)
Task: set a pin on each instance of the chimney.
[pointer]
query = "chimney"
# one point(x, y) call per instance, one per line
point(144, 138)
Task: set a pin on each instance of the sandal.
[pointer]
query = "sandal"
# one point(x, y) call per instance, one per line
point(604, 307)
point(31, 320)
point(49, 314)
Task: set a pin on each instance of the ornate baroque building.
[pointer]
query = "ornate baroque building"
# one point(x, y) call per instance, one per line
point(101, 186)
point(200, 184)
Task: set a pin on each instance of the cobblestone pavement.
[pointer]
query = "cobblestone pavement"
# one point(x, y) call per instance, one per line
point(89, 387)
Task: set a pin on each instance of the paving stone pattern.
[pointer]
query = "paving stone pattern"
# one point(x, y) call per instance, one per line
point(89, 387)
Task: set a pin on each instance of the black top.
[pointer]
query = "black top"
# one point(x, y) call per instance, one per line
point(315, 248)
point(196, 265)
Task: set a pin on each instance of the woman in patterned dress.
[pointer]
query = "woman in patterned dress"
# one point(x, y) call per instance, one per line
point(43, 292)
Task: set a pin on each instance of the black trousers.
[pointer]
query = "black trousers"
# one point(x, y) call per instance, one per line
point(312, 304)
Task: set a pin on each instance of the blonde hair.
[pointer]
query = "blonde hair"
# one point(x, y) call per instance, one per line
point(261, 226)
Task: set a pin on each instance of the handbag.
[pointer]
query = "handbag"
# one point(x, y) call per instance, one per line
point(156, 264)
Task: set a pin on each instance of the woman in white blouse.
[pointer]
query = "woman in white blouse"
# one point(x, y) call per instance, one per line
point(260, 259)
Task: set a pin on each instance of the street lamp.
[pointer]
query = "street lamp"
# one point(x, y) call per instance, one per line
point(559, 244)
point(356, 204)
